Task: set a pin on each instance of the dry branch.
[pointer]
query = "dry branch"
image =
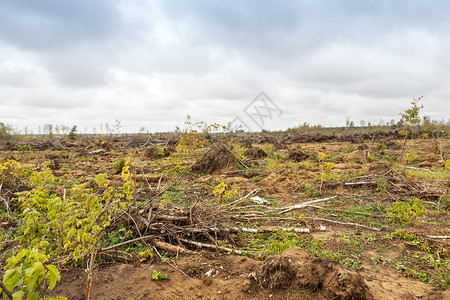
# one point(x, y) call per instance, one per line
point(303, 205)
point(238, 201)
point(171, 248)
point(127, 242)
point(438, 236)
point(349, 212)
point(344, 223)
point(413, 168)
point(269, 229)
point(203, 245)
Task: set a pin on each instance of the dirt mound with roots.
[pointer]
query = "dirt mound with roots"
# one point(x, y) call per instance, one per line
point(215, 159)
point(151, 152)
point(298, 155)
point(255, 153)
point(295, 267)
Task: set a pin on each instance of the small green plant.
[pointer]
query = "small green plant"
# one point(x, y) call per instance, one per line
point(119, 165)
point(382, 185)
point(370, 238)
point(325, 169)
point(157, 276)
point(24, 148)
point(405, 236)
point(379, 260)
point(28, 275)
point(399, 266)
point(407, 212)
point(224, 193)
point(353, 240)
point(310, 190)
point(409, 157)
point(352, 262)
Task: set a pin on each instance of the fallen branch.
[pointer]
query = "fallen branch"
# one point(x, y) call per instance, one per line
point(413, 168)
point(269, 229)
point(438, 236)
point(171, 218)
point(303, 205)
point(240, 200)
point(360, 183)
point(349, 212)
point(203, 245)
point(5, 290)
point(127, 242)
point(171, 248)
point(344, 223)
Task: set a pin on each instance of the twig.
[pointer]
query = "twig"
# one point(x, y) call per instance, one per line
point(90, 270)
point(439, 202)
point(252, 206)
point(203, 245)
point(269, 229)
point(349, 181)
point(127, 242)
point(349, 212)
point(344, 223)
point(360, 182)
point(171, 248)
point(169, 186)
point(159, 181)
point(4, 200)
point(238, 200)
point(415, 298)
point(438, 236)
point(286, 209)
point(413, 168)
point(173, 266)
point(5, 290)
point(145, 177)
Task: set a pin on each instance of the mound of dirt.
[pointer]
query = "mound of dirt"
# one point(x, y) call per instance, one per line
point(151, 152)
point(255, 153)
point(279, 145)
point(169, 150)
point(298, 155)
point(217, 158)
point(295, 267)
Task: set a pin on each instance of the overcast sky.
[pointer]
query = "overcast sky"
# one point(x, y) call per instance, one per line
point(151, 63)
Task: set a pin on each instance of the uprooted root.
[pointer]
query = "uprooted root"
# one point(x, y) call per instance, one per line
point(217, 158)
point(296, 267)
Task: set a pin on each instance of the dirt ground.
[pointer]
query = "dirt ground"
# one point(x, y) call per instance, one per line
point(351, 249)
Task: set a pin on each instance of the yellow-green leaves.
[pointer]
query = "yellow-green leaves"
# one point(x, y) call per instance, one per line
point(407, 213)
point(25, 272)
point(53, 276)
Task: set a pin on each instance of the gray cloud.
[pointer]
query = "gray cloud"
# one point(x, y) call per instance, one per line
point(57, 24)
point(154, 62)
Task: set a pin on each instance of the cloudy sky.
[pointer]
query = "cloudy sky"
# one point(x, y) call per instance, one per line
point(151, 63)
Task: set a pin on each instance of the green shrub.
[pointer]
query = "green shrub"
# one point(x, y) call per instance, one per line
point(407, 213)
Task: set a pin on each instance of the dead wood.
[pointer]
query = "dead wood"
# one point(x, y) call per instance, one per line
point(209, 246)
point(303, 205)
point(344, 223)
point(171, 248)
